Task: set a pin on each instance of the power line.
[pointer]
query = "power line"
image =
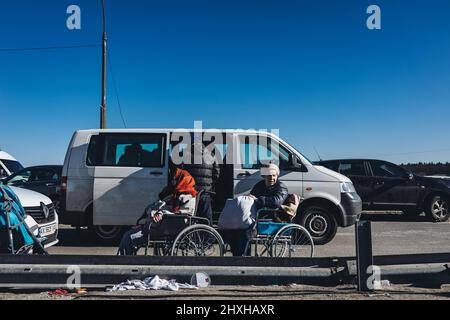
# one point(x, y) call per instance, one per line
point(49, 48)
point(115, 88)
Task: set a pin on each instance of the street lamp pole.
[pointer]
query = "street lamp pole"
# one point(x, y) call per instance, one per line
point(103, 103)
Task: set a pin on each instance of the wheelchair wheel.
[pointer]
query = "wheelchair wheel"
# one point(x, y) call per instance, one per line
point(292, 240)
point(198, 240)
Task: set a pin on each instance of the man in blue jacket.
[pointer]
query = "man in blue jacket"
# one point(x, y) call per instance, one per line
point(270, 192)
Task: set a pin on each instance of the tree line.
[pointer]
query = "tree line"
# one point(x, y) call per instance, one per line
point(428, 168)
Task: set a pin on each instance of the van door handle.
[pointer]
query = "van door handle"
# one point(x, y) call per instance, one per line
point(244, 174)
point(50, 184)
point(156, 173)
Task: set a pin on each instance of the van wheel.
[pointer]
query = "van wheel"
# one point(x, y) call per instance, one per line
point(106, 234)
point(438, 209)
point(320, 223)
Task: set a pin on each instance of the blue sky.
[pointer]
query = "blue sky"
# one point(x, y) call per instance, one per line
point(309, 68)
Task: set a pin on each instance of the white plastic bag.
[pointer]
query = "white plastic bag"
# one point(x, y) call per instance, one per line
point(238, 214)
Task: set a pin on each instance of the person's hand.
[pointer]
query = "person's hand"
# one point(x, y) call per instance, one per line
point(252, 196)
point(157, 217)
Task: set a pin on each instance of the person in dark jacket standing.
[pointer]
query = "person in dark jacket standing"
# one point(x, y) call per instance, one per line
point(204, 167)
point(270, 192)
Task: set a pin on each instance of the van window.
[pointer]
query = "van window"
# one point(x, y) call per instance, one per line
point(352, 169)
point(255, 152)
point(126, 150)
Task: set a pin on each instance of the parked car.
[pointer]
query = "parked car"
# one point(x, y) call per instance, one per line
point(106, 194)
point(42, 179)
point(42, 217)
point(385, 186)
point(8, 164)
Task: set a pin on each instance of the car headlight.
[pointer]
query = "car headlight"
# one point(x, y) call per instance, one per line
point(347, 187)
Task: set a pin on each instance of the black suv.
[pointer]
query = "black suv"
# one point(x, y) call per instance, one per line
point(385, 186)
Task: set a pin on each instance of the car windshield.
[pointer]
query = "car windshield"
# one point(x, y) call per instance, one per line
point(12, 166)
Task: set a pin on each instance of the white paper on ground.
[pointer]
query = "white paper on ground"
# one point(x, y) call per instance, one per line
point(151, 283)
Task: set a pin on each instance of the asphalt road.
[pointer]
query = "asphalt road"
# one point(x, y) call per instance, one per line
point(392, 233)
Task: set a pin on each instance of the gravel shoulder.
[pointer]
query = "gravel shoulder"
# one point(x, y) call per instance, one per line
point(248, 293)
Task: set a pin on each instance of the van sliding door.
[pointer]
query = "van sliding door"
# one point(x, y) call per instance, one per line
point(130, 171)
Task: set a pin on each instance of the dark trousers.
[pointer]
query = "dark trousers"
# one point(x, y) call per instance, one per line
point(133, 239)
point(204, 209)
point(239, 241)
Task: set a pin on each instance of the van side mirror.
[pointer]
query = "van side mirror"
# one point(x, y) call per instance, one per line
point(296, 165)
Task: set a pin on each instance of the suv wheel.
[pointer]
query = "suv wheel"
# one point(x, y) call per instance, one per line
point(320, 223)
point(438, 209)
point(107, 234)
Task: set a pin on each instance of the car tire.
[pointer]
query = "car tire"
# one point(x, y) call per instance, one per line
point(320, 223)
point(106, 234)
point(438, 209)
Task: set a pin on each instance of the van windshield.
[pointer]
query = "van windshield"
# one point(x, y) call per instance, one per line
point(12, 166)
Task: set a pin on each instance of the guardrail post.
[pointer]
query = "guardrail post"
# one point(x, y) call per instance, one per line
point(364, 257)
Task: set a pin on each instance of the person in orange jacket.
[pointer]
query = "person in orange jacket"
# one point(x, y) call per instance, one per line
point(177, 198)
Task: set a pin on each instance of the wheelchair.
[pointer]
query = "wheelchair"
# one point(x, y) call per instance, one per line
point(184, 235)
point(278, 239)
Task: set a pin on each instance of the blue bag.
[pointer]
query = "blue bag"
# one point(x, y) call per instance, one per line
point(269, 228)
point(10, 204)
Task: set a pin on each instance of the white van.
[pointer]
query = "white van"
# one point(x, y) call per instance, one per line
point(42, 218)
point(106, 193)
point(8, 164)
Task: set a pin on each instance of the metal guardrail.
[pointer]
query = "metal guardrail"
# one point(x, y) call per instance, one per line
point(417, 268)
point(54, 270)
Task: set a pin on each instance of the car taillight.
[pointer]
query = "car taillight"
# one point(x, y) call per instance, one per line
point(63, 184)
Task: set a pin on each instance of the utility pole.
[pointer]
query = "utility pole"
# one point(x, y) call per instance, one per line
point(103, 105)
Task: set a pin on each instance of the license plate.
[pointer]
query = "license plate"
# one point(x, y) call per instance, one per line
point(47, 230)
